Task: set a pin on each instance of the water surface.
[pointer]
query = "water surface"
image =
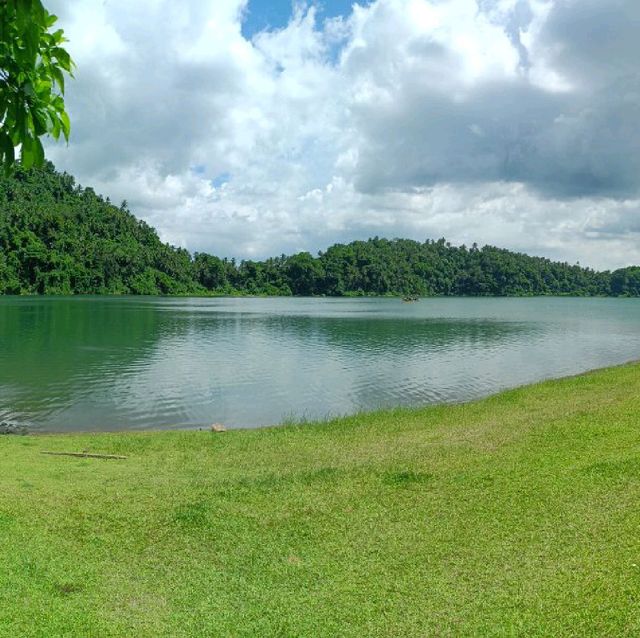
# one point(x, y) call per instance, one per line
point(113, 363)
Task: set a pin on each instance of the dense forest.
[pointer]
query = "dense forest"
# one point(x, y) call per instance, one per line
point(59, 238)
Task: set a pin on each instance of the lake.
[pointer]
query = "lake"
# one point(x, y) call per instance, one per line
point(118, 363)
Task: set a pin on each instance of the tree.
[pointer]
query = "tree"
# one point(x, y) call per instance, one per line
point(304, 272)
point(33, 64)
point(626, 281)
point(209, 271)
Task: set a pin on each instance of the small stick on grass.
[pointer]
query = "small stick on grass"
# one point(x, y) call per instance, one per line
point(86, 455)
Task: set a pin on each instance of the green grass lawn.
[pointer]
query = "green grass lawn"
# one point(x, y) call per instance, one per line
point(515, 515)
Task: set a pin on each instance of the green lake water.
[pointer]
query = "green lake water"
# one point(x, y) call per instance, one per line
point(116, 363)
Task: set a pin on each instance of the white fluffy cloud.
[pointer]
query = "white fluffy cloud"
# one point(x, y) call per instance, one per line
point(512, 122)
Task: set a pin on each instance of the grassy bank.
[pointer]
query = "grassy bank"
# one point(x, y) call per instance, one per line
point(515, 515)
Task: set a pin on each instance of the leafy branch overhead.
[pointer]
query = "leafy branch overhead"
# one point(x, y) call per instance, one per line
point(33, 63)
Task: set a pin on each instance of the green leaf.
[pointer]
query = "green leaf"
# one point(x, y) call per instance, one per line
point(38, 12)
point(38, 152)
point(58, 77)
point(6, 149)
point(55, 125)
point(27, 152)
point(63, 57)
point(66, 124)
point(39, 119)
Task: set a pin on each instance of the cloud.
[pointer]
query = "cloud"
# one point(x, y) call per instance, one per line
point(435, 111)
point(512, 122)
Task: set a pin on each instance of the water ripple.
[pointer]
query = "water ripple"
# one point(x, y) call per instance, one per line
point(114, 363)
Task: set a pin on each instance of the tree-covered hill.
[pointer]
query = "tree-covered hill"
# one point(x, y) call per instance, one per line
point(59, 238)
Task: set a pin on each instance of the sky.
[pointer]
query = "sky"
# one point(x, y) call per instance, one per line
point(256, 128)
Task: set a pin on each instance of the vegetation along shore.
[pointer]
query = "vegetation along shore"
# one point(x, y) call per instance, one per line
point(514, 515)
point(59, 238)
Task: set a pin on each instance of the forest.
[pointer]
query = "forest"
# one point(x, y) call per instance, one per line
point(58, 238)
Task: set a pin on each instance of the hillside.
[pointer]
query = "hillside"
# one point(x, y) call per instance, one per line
point(57, 237)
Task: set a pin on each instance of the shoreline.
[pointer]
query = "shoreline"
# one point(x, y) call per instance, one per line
point(241, 295)
point(24, 430)
point(516, 510)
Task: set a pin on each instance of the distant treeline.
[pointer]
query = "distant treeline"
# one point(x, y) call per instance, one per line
point(59, 238)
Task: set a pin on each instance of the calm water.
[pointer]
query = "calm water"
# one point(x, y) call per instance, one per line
point(132, 363)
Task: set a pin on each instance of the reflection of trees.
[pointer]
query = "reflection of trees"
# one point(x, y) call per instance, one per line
point(398, 336)
point(126, 355)
point(403, 361)
point(407, 361)
point(63, 346)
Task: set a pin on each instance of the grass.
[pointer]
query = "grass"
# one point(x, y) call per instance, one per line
point(515, 515)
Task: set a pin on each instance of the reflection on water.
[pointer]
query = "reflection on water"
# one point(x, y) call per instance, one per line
point(117, 363)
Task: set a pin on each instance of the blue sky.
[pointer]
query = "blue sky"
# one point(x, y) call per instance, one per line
point(275, 14)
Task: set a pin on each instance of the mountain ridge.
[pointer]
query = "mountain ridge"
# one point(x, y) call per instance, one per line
point(57, 237)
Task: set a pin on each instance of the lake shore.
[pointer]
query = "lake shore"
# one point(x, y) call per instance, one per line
point(515, 514)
